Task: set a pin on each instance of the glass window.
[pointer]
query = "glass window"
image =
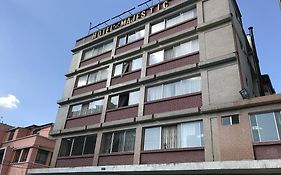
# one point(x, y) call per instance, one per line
point(17, 156)
point(95, 106)
point(169, 90)
point(65, 147)
point(154, 93)
point(191, 134)
point(158, 27)
point(118, 69)
point(230, 120)
point(132, 37)
point(76, 110)
point(182, 135)
point(156, 57)
point(122, 41)
point(119, 141)
point(87, 54)
point(42, 156)
point(106, 143)
point(136, 64)
point(82, 81)
point(11, 135)
point(265, 127)
point(24, 154)
point(152, 138)
point(107, 47)
point(134, 97)
point(92, 78)
point(90, 144)
point(78, 144)
point(113, 102)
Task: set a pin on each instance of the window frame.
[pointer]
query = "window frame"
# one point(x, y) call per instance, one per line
point(97, 72)
point(178, 127)
point(126, 36)
point(72, 145)
point(80, 112)
point(277, 129)
point(181, 81)
point(92, 49)
point(231, 119)
point(39, 156)
point(128, 94)
point(122, 65)
point(112, 135)
point(179, 14)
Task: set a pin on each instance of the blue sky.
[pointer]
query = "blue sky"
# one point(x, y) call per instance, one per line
point(36, 38)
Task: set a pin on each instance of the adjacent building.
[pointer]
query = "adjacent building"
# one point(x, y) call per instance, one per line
point(174, 89)
point(24, 148)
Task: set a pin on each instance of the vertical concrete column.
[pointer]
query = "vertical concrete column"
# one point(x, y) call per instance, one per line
point(202, 46)
point(114, 46)
point(56, 152)
point(103, 114)
point(215, 138)
point(97, 149)
point(61, 117)
point(109, 76)
point(141, 102)
point(137, 152)
point(205, 88)
point(144, 64)
point(69, 86)
point(75, 62)
point(200, 12)
point(147, 30)
point(209, 156)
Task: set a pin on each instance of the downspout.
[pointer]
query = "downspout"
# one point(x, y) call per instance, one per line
point(256, 61)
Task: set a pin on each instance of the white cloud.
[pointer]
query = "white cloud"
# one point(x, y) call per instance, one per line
point(9, 102)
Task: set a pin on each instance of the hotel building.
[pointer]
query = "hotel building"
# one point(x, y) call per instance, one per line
point(173, 89)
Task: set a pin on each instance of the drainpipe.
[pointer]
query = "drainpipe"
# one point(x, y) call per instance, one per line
point(256, 60)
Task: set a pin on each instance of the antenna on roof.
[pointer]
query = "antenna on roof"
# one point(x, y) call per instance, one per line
point(145, 3)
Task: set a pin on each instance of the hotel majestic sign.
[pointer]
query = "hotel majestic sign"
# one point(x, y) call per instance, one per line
point(131, 19)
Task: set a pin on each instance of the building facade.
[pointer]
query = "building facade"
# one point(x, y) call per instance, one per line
point(25, 148)
point(175, 88)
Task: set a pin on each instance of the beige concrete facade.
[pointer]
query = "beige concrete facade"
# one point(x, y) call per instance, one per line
point(224, 63)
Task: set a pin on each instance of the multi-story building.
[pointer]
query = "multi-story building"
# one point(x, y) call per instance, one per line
point(25, 148)
point(173, 89)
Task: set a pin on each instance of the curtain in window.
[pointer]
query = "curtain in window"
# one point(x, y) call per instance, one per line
point(118, 142)
point(190, 134)
point(152, 138)
point(169, 90)
point(106, 143)
point(130, 140)
point(169, 137)
point(85, 108)
point(154, 93)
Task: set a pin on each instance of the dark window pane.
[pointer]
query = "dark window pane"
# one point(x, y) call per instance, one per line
point(17, 156)
point(130, 140)
point(78, 146)
point(106, 143)
point(24, 155)
point(2, 151)
point(118, 142)
point(226, 120)
point(42, 156)
point(235, 119)
point(65, 147)
point(123, 100)
point(90, 144)
point(11, 135)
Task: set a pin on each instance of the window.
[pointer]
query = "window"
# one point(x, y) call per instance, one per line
point(128, 66)
point(131, 37)
point(183, 135)
point(86, 108)
point(36, 131)
point(97, 50)
point(42, 156)
point(17, 156)
point(177, 88)
point(75, 146)
point(166, 23)
point(230, 120)
point(125, 99)
point(2, 152)
point(266, 126)
point(24, 154)
point(174, 52)
point(120, 141)
point(92, 77)
point(11, 135)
